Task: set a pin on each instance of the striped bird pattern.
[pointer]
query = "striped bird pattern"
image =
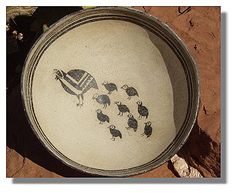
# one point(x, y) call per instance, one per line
point(77, 82)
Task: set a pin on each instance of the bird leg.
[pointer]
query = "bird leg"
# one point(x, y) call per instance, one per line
point(81, 99)
point(142, 134)
point(139, 117)
point(104, 106)
point(118, 113)
point(100, 122)
point(109, 92)
point(128, 132)
point(127, 127)
point(129, 97)
point(113, 138)
point(80, 105)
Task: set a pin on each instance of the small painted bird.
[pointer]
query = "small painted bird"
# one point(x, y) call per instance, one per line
point(102, 117)
point(132, 122)
point(102, 99)
point(131, 91)
point(147, 129)
point(76, 82)
point(110, 87)
point(114, 132)
point(142, 110)
point(122, 108)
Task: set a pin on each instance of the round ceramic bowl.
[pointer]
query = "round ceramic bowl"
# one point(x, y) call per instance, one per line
point(110, 91)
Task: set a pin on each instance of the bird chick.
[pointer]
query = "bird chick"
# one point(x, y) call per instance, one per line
point(130, 91)
point(142, 110)
point(110, 87)
point(102, 99)
point(114, 132)
point(122, 108)
point(102, 117)
point(147, 129)
point(132, 122)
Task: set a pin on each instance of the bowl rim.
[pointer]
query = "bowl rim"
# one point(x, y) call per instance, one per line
point(144, 20)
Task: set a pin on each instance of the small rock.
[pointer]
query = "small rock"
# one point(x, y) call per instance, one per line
point(183, 169)
point(20, 36)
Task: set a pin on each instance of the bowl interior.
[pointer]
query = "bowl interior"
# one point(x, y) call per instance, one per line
point(105, 96)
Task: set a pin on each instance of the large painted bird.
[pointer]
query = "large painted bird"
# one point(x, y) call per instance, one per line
point(76, 82)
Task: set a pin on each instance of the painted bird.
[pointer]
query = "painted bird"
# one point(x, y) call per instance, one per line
point(132, 122)
point(122, 108)
point(102, 99)
point(102, 117)
point(110, 87)
point(147, 129)
point(76, 82)
point(142, 110)
point(130, 91)
point(114, 132)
